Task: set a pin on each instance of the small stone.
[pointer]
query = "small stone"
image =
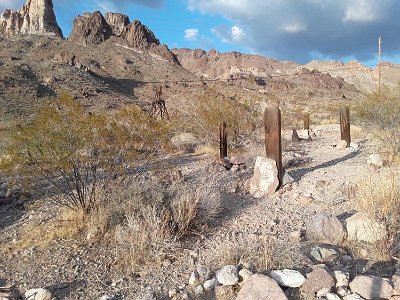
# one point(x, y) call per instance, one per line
point(261, 287)
point(210, 284)
point(38, 294)
point(375, 161)
point(323, 254)
point(288, 278)
point(295, 235)
point(287, 179)
point(107, 297)
point(354, 145)
point(371, 287)
point(194, 278)
point(199, 290)
point(244, 275)
point(172, 293)
point(353, 297)
point(342, 278)
point(304, 200)
point(342, 291)
point(323, 292)
point(332, 296)
point(228, 275)
point(341, 145)
point(317, 279)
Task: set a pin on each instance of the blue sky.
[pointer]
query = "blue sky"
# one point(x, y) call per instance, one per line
point(298, 30)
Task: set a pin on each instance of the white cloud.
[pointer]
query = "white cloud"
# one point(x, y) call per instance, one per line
point(294, 28)
point(191, 34)
point(334, 28)
point(238, 34)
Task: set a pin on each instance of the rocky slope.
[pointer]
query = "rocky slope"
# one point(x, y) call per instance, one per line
point(94, 28)
point(36, 17)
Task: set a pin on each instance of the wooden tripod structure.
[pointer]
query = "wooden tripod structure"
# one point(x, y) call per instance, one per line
point(158, 107)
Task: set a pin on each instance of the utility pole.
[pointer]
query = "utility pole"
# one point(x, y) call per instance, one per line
point(379, 63)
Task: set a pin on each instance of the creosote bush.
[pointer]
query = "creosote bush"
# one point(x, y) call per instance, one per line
point(381, 113)
point(378, 197)
point(69, 154)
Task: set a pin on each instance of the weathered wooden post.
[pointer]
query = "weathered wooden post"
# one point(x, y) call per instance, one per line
point(223, 141)
point(273, 143)
point(345, 125)
point(307, 121)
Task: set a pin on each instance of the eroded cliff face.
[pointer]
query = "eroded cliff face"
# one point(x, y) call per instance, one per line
point(94, 28)
point(36, 17)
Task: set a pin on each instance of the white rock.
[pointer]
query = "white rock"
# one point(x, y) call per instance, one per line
point(107, 297)
point(341, 145)
point(38, 294)
point(353, 296)
point(332, 296)
point(287, 179)
point(304, 134)
point(323, 292)
point(342, 279)
point(210, 284)
point(194, 278)
point(199, 290)
point(375, 160)
point(361, 228)
point(227, 275)
point(265, 179)
point(288, 278)
point(354, 145)
point(244, 275)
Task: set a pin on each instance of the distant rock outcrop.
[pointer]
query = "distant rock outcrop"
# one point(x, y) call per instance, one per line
point(36, 17)
point(94, 28)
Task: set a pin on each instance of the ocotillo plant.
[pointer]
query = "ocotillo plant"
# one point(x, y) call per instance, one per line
point(273, 143)
point(345, 125)
point(223, 141)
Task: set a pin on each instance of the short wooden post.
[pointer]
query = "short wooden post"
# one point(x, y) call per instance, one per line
point(223, 141)
point(345, 125)
point(307, 121)
point(273, 143)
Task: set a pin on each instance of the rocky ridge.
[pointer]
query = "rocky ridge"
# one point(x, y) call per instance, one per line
point(36, 17)
point(94, 28)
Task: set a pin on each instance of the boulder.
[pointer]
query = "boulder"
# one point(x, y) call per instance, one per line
point(227, 275)
point(362, 228)
point(342, 278)
point(265, 179)
point(371, 287)
point(261, 287)
point(316, 280)
point(38, 294)
point(210, 284)
point(325, 228)
point(36, 17)
point(324, 254)
point(375, 161)
point(288, 278)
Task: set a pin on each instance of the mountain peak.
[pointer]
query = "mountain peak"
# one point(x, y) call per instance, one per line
point(36, 17)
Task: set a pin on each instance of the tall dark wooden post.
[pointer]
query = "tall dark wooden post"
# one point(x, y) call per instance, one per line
point(223, 141)
point(273, 143)
point(345, 125)
point(307, 121)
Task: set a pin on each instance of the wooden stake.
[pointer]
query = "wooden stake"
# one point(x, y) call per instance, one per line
point(345, 125)
point(307, 121)
point(223, 141)
point(273, 143)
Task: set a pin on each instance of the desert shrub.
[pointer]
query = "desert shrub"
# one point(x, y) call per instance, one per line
point(378, 197)
point(157, 217)
point(70, 154)
point(211, 108)
point(381, 113)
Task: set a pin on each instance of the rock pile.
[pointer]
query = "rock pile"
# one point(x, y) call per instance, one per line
point(36, 17)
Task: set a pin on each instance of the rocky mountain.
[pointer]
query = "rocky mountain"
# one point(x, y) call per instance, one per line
point(94, 28)
point(36, 17)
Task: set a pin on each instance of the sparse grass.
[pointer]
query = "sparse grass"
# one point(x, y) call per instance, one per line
point(378, 197)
